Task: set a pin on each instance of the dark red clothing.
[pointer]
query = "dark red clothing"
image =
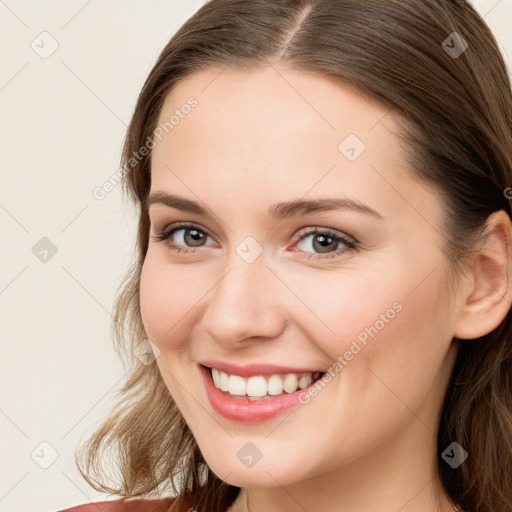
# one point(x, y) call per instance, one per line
point(131, 505)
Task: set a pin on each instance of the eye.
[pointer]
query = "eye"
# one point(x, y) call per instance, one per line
point(326, 242)
point(189, 237)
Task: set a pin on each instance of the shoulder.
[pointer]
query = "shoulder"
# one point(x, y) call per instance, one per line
point(131, 505)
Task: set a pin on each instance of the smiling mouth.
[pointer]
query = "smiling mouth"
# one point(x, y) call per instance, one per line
point(262, 387)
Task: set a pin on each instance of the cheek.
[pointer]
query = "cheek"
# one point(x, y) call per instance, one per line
point(390, 318)
point(340, 307)
point(390, 343)
point(166, 298)
point(400, 343)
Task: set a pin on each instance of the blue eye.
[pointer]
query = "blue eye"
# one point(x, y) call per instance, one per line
point(324, 240)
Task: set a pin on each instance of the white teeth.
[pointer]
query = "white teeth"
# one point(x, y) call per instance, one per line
point(215, 377)
point(223, 381)
point(237, 385)
point(256, 386)
point(290, 383)
point(275, 385)
point(305, 381)
point(261, 386)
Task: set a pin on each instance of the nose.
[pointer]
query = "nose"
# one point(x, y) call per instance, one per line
point(244, 304)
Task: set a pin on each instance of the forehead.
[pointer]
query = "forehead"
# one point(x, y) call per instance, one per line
point(272, 130)
point(271, 98)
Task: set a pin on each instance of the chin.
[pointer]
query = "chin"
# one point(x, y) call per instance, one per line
point(269, 471)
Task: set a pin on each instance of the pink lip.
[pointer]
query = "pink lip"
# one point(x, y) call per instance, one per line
point(254, 369)
point(248, 411)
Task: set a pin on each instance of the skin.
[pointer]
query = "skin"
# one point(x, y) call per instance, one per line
point(369, 438)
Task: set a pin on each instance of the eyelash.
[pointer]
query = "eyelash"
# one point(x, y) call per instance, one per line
point(350, 244)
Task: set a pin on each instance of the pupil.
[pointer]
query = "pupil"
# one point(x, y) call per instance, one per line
point(195, 235)
point(324, 243)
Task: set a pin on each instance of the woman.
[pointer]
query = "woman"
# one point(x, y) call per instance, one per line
point(322, 268)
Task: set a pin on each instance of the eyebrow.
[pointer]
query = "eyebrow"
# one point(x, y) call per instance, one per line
point(278, 211)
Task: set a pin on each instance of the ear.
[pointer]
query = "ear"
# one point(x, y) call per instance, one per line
point(489, 295)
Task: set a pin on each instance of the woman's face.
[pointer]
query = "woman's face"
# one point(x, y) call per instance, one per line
point(247, 282)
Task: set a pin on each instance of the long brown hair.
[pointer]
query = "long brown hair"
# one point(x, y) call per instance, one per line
point(456, 107)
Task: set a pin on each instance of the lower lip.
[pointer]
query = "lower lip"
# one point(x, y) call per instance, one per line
point(248, 411)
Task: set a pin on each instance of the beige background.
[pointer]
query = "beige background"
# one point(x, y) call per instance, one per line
point(62, 119)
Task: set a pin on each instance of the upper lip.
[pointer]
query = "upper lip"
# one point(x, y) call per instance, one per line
point(250, 370)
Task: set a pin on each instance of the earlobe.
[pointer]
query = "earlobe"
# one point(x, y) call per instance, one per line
point(489, 299)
